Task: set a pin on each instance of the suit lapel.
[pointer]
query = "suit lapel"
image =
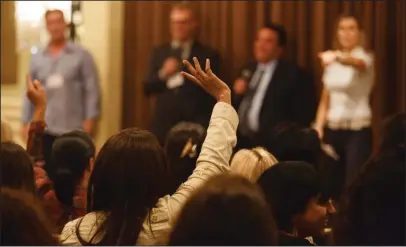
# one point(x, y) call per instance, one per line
point(271, 96)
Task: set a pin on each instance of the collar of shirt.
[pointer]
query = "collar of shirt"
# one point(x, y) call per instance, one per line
point(69, 47)
point(186, 47)
point(267, 66)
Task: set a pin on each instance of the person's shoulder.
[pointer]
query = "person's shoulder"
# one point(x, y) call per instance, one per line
point(87, 222)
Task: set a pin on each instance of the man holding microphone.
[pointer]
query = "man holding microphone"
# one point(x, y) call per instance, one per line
point(179, 99)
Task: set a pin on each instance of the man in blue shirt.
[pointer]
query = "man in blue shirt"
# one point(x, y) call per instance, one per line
point(69, 75)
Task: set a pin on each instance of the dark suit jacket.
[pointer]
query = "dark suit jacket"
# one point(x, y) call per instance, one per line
point(186, 103)
point(290, 97)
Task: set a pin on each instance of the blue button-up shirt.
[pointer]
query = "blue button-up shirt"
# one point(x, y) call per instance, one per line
point(76, 98)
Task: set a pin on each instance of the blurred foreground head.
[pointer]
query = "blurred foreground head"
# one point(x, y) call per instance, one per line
point(227, 210)
point(22, 220)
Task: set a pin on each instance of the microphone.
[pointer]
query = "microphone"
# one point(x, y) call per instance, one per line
point(246, 74)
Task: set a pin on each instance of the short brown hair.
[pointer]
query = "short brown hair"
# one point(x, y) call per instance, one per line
point(52, 11)
point(186, 5)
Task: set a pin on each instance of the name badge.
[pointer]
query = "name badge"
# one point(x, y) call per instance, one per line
point(54, 81)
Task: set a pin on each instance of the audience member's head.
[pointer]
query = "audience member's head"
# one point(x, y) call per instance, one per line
point(183, 22)
point(129, 176)
point(269, 43)
point(293, 190)
point(16, 168)
point(182, 147)
point(251, 163)
point(290, 142)
point(394, 133)
point(372, 211)
point(72, 156)
point(22, 220)
point(228, 210)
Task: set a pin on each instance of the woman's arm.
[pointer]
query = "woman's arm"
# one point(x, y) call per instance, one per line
point(321, 114)
point(357, 63)
point(36, 95)
point(221, 136)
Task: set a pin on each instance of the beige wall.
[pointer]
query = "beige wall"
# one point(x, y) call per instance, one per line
point(103, 22)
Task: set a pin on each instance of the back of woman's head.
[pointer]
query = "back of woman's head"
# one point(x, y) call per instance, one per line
point(227, 210)
point(16, 167)
point(71, 155)
point(372, 209)
point(183, 144)
point(129, 176)
point(251, 163)
point(290, 142)
point(288, 187)
point(394, 133)
point(22, 220)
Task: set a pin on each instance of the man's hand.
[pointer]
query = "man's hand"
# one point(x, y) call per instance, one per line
point(170, 67)
point(208, 81)
point(89, 126)
point(240, 86)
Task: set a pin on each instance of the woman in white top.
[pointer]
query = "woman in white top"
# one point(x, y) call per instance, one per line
point(344, 113)
point(126, 197)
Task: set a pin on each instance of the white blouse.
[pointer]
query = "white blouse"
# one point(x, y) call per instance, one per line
point(349, 88)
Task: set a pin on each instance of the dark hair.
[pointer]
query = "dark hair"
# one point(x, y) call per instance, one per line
point(288, 187)
point(129, 176)
point(71, 153)
point(291, 142)
point(393, 133)
point(372, 209)
point(183, 145)
point(16, 167)
point(227, 210)
point(281, 31)
point(23, 220)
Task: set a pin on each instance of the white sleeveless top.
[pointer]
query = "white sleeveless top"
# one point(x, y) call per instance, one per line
point(349, 88)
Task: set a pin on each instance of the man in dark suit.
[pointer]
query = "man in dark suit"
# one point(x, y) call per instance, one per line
point(177, 98)
point(270, 91)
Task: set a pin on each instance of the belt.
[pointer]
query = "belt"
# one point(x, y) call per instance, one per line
point(357, 124)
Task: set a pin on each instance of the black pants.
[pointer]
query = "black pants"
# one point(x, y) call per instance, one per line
point(47, 142)
point(353, 148)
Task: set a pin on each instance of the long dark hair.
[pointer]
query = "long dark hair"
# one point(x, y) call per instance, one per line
point(227, 210)
point(182, 147)
point(129, 176)
point(16, 167)
point(23, 220)
point(71, 153)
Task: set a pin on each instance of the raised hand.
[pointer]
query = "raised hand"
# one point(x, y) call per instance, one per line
point(35, 93)
point(208, 80)
point(37, 96)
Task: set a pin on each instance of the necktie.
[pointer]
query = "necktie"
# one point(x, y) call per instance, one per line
point(177, 53)
point(246, 104)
